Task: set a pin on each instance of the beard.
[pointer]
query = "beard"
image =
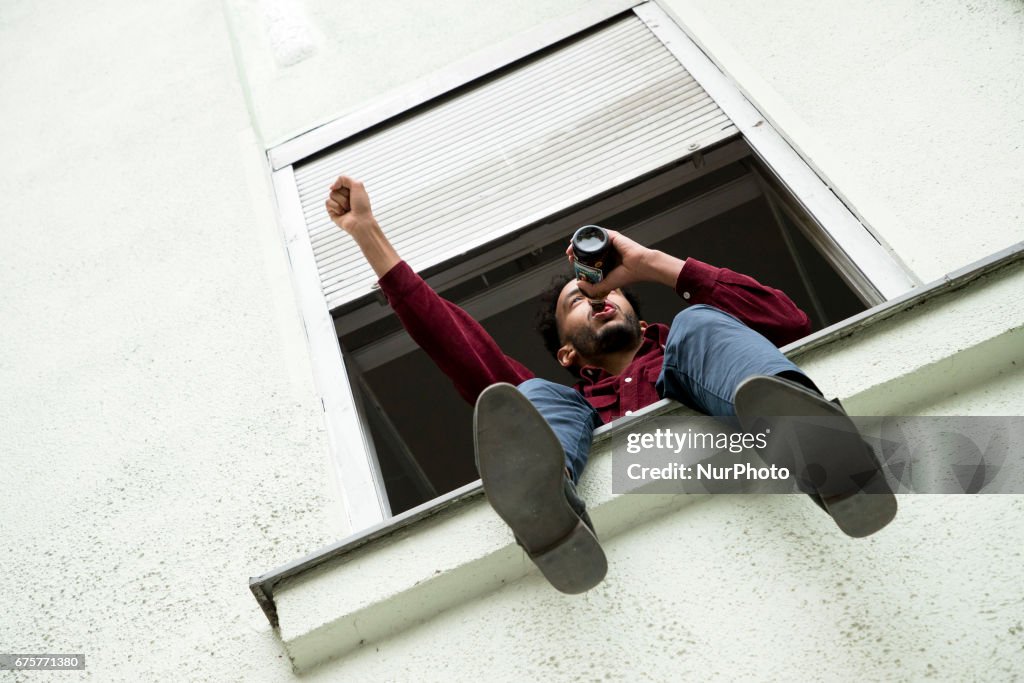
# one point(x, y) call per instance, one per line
point(611, 338)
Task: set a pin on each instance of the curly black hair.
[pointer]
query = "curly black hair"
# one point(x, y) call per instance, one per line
point(547, 322)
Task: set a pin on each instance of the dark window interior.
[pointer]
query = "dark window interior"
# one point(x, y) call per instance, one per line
point(421, 428)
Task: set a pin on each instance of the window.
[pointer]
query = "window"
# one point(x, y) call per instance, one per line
point(479, 188)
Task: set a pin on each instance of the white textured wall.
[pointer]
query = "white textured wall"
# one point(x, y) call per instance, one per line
point(748, 588)
point(911, 108)
point(160, 440)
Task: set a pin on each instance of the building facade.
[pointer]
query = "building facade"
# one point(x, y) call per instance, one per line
point(169, 432)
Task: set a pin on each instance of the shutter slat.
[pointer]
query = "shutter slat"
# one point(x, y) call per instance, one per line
point(483, 103)
point(653, 98)
point(458, 232)
point(394, 178)
point(482, 164)
point(544, 172)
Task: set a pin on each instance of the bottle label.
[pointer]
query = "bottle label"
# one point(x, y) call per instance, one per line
point(588, 273)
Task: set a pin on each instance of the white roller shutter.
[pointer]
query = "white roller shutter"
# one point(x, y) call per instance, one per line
point(583, 119)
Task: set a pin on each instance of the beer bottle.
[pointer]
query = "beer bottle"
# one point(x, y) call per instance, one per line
point(594, 255)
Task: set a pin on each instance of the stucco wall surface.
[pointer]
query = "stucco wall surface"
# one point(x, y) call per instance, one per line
point(160, 437)
point(912, 109)
point(159, 420)
point(748, 588)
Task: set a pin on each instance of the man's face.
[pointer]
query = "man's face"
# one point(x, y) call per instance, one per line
point(594, 333)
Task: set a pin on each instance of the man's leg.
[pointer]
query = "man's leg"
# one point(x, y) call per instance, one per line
point(714, 362)
point(709, 353)
point(527, 462)
point(572, 419)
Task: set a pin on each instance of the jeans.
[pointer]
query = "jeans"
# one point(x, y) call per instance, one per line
point(708, 354)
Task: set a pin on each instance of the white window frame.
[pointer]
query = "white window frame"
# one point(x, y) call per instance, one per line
point(352, 451)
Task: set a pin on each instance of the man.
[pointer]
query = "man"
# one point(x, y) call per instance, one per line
point(532, 436)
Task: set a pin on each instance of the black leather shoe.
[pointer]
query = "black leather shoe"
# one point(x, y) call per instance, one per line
point(521, 464)
point(842, 469)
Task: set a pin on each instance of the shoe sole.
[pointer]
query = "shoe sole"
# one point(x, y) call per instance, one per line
point(838, 449)
point(521, 464)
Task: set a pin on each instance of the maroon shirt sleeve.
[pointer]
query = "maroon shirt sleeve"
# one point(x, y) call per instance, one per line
point(765, 309)
point(457, 343)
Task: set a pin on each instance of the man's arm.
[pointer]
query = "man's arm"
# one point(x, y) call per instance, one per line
point(348, 205)
point(762, 308)
point(457, 343)
point(765, 309)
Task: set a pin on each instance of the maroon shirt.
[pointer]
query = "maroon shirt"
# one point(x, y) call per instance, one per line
point(464, 351)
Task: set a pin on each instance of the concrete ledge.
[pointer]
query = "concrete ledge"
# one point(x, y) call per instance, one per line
point(453, 557)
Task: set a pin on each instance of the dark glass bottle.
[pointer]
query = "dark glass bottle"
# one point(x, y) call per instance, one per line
point(594, 254)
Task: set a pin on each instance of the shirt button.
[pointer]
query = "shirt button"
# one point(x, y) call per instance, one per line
point(628, 379)
point(629, 412)
point(686, 295)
